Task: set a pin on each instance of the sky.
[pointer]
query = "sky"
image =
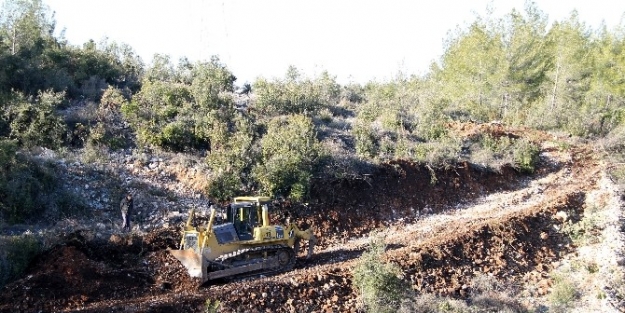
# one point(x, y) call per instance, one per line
point(354, 40)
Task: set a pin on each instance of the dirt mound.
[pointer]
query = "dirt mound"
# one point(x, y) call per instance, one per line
point(399, 191)
point(66, 278)
point(162, 239)
point(169, 274)
point(506, 247)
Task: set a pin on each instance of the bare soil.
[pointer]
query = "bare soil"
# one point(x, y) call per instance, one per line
point(443, 227)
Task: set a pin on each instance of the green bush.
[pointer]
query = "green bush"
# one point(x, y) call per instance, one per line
point(395, 121)
point(525, 154)
point(352, 92)
point(224, 185)
point(290, 152)
point(429, 121)
point(584, 231)
point(34, 122)
point(210, 79)
point(563, 292)
point(366, 140)
point(23, 184)
point(296, 95)
point(494, 152)
point(233, 154)
point(179, 115)
point(16, 253)
point(380, 287)
point(446, 150)
point(175, 136)
point(211, 306)
point(31, 189)
point(109, 129)
point(369, 111)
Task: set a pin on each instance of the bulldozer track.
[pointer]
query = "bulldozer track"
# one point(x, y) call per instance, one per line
point(282, 262)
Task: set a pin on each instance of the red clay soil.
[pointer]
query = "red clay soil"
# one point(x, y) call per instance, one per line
point(131, 274)
point(399, 190)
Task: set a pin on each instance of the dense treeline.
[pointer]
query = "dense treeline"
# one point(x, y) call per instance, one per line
point(517, 70)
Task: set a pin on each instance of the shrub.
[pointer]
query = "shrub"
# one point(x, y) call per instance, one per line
point(352, 92)
point(326, 116)
point(494, 152)
point(69, 204)
point(231, 158)
point(444, 151)
point(525, 154)
point(16, 253)
point(430, 122)
point(616, 281)
point(178, 115)
point(210, 79)
point(106, 127)
point(175, 136)
point(224, 185)
point(487, 295)
point(93, 87)
point(429, 303)
point(563, 292)
point(94, 153)
point(615, 140)
point(381, 289)
point(296, 95)
point(34, 122)
point(30, 188)
point(211, 306)
point(397, 122)
point(366, 140)
point(23, 184)
point(290, 152)
point(99, 124)
point(369, 111)
point(585, 231)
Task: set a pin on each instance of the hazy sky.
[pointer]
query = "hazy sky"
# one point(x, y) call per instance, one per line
point(354, 40)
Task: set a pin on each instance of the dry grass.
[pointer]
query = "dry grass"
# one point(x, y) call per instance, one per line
point(563, 294)
point(487, 295)
point(192, 171)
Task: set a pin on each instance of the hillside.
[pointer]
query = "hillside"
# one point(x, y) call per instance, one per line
point(498, 240)
point(493, 182)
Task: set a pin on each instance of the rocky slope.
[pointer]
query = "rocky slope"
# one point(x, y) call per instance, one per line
point(443, 233)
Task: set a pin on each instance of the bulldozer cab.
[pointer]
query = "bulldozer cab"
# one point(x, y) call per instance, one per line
point(244, 219)
point(245, 213)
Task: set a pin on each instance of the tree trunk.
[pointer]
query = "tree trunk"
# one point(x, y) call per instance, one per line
point(555, 88)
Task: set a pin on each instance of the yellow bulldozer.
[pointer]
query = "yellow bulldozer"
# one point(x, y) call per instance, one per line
point(240, 241)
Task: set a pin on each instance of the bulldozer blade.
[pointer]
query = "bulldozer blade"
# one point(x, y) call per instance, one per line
point(189, 259)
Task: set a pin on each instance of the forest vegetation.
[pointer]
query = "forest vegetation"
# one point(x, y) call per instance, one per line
point(520, 70)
